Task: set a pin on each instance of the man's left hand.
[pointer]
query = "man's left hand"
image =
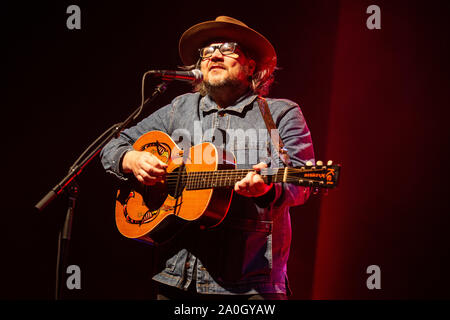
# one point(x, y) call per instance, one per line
point(253, 184)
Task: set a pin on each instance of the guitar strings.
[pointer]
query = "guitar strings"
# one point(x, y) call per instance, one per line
point(202, 179)
point(220, 174)
point(227, 172)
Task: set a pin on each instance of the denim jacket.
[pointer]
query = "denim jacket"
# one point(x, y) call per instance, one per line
point(248, 252)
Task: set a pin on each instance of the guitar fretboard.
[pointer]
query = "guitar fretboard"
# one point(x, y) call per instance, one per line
point(227, 178)
point(310, 176)
point(216, 179)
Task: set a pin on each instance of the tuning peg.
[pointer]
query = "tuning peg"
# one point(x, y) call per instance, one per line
point(319, 163)
point(330, 162)
point(309, 163)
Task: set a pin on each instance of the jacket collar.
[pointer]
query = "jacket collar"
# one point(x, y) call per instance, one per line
point(207, 104)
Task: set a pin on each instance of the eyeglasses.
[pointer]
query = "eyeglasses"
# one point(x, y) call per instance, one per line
point(225, 48)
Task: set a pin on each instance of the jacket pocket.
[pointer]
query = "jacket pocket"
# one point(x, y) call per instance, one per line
point(171, 263)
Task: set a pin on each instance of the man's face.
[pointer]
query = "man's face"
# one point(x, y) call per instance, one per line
point(225, 69)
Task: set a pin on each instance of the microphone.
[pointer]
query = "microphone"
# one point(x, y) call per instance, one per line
point(188, 76)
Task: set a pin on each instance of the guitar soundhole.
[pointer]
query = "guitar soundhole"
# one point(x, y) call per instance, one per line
point(176, 181)
point(154, 196)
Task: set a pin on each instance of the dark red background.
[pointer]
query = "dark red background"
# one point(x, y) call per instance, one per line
point(375, 101)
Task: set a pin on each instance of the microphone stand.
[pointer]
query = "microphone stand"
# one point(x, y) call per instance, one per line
point(69, 183)
point(64, 238)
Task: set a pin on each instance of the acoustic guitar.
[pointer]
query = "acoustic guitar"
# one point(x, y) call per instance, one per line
point(198, 186)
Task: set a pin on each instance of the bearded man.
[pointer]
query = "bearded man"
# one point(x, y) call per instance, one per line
point(246, 255)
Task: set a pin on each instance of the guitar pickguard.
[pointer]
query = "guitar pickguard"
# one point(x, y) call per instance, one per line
point(148, 215)
point(161, 150)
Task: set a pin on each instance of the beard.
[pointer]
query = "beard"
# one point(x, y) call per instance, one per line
point(211, 89)
point(222, 84)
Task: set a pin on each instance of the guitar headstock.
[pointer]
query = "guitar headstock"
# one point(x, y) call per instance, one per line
point(318, 175)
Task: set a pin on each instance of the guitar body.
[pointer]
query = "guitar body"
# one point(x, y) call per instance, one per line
point(154, 214)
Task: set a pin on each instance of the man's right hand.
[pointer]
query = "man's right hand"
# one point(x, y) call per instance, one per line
point(147, 168)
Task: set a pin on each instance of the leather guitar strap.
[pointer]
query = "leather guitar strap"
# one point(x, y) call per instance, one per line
point(273, 131)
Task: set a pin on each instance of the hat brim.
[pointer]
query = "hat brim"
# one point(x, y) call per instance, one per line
point(252, 42)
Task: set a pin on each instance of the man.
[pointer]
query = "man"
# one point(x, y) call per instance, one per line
point(246, 255)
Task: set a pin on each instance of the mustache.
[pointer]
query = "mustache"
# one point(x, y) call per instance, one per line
point(220, 65)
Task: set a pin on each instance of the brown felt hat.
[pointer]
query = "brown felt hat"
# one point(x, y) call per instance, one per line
point(226, 29)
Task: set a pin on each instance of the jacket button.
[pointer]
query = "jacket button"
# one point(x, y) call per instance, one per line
point(187, 265)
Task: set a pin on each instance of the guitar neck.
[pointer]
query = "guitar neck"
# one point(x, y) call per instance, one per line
point(219, 179)
point(321, 176)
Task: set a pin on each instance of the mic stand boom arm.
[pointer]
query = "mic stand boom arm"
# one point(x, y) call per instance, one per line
point(76, 168)
point(73, 190)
